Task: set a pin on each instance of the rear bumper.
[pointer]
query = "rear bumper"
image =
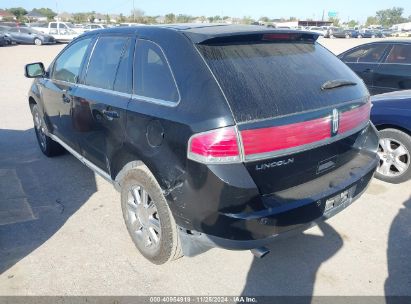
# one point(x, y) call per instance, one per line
point(282, 222)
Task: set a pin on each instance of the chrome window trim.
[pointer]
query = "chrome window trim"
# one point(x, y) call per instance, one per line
point(167, 103)
point(112, 92)
point(81, 158)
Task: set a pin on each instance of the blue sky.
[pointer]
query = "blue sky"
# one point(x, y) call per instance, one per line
point(347, 9)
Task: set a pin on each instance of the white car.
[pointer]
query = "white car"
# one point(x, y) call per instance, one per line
point(317, 30)
point(94, 26)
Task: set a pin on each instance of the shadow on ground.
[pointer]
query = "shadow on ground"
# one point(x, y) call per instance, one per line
point(398, 282)
point(292, 265)
point(37, 194)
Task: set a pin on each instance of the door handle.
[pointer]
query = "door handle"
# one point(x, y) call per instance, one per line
point(110, 115)
point(368, 71)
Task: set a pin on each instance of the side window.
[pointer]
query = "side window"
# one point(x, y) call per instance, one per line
point(14, 30)
point(367, 54)
point(105, 61)
point(400, 53)
point(53, 25)
point(152, 75)
point(68, 64)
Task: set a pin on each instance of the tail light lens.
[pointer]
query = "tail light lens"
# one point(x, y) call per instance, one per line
point(352, 119)
point(268, 140)
point(223, 145)
point(217, 146)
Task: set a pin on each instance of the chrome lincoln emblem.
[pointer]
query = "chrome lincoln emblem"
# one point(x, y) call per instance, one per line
point(335, 121)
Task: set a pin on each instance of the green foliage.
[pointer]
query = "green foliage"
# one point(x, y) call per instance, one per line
point(19, 12)
point(80, 17)
point(170, 18)
point(47, 12)
point(334, 20)
point(352, 23)
point(389, 17)
point(371, 21)
point(184, 18)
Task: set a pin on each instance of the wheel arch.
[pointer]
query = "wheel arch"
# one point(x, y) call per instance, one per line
point(391, 126)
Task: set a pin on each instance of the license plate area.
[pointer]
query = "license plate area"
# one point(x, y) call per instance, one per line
point(342, 199)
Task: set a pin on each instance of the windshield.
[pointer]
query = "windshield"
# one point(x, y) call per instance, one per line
point(273, 79)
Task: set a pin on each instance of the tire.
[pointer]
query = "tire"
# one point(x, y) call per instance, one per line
point(48, 146)
point(347, 36)
point(372, 36)
point(359, 36)
point(395, 156)
point(37, 41)
point(148, 218)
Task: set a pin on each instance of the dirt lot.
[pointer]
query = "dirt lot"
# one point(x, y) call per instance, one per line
point(61, 229)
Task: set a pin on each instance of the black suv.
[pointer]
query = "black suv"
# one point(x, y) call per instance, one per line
point(222, 136)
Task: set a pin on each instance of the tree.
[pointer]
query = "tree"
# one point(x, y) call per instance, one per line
point(334, 20)
point(183, 18)
point(19, 12)
point(137, 15)
point(80, 17)
point(264, 19)
point(352, 23)
point(121, 18)
point(391, 16)
point(47, 12)
point(247, 20)
point(371, 21)
point(170, 18)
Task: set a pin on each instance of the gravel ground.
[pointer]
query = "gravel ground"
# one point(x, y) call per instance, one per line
point(61, 229)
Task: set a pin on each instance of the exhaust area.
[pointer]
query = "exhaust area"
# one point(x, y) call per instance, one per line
point(260, 252)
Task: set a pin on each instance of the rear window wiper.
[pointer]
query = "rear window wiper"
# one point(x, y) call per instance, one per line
point(332, 84)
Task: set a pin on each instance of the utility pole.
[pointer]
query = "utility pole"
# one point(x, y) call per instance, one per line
point(134, 12)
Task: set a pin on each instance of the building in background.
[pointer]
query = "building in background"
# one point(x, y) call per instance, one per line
point(36, 17)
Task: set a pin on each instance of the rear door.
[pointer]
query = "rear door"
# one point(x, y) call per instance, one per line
point(292, 130)
point(365, 60)
point(394, 73)
point(100, 103)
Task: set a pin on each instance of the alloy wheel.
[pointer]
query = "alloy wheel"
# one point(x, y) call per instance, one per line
point(394, 157)
point(143, 218)
point(38, 124)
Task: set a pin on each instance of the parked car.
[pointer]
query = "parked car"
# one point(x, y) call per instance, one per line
point(371, 34)
point(345, 33)
point(182, 120)
point(316, 29)
point(26, 35)
point(385, 66)
point(391, 114)
point(2, 39)
point(94, 26)
point(7, 37)
point(331, 30)
point(61, 31)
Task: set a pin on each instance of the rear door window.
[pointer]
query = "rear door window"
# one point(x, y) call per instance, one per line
point(399, 54)
point(152, 74)
point(105, 61)
point(264, 80)
point(366, 54)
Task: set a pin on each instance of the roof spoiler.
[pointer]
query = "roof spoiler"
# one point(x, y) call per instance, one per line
point(262, 37)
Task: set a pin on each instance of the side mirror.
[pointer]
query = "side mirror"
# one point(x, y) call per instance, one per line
point(34, 70)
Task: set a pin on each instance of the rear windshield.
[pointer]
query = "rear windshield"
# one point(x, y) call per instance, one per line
point(265, 80)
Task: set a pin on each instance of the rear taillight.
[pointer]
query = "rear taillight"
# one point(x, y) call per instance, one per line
point(268, 140)
point(217, 146)
point(350, 120)
point(223, 145)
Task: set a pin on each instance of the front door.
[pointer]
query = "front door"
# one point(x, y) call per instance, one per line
point(58, 91)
